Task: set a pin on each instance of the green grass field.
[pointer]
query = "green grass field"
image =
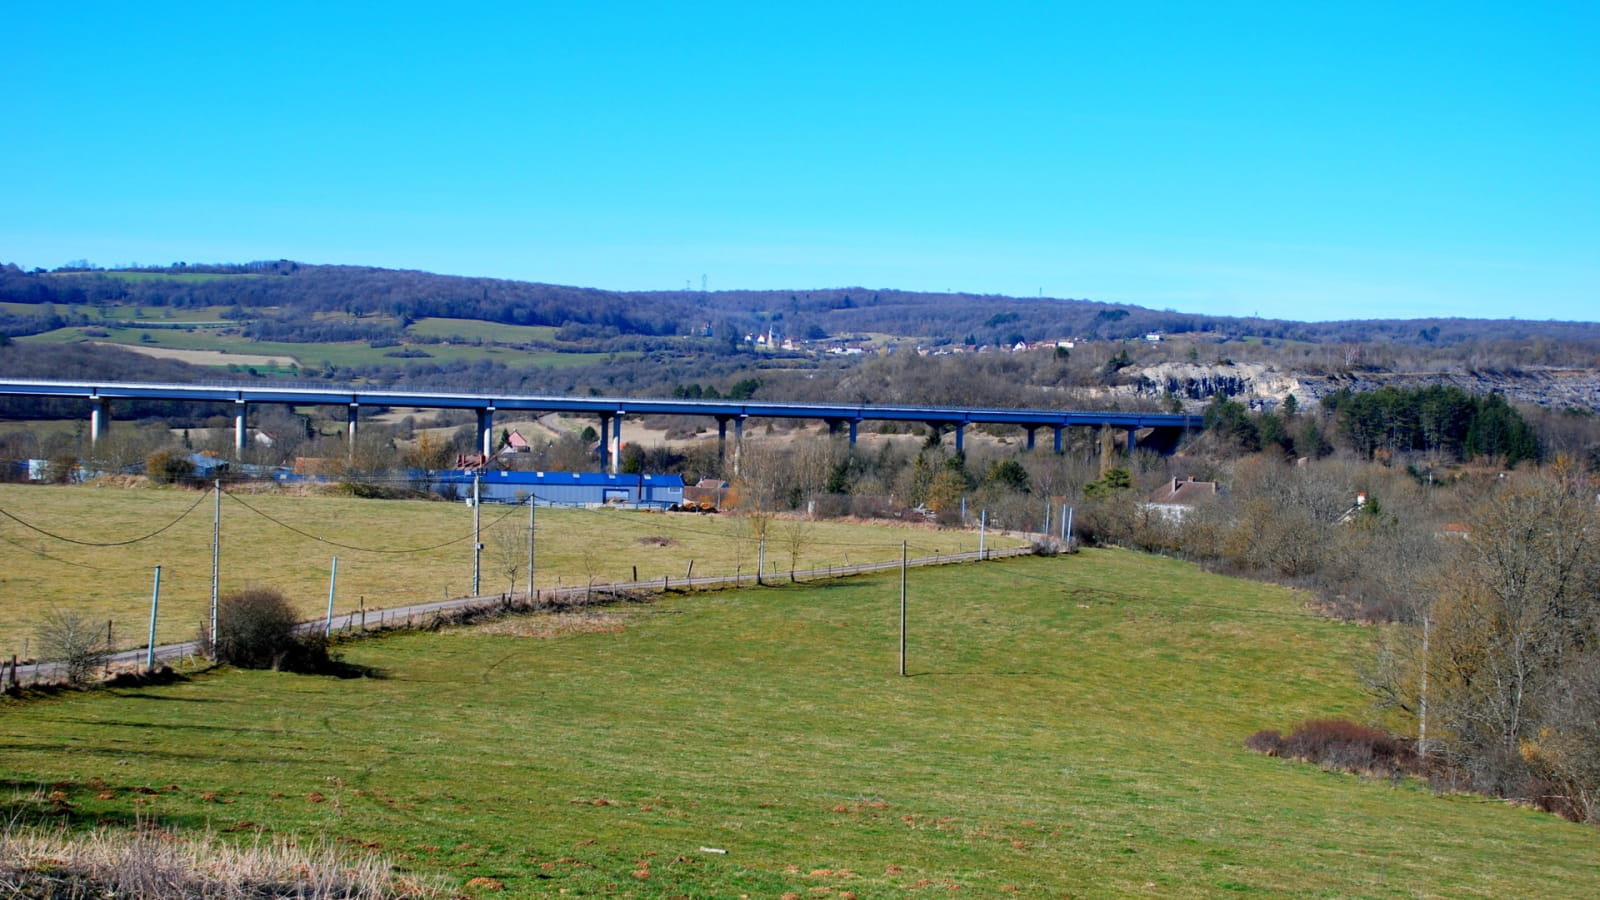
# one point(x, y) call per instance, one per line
point(291, 551)
point(1072, 727)
point(313, 355)
point(476, 329)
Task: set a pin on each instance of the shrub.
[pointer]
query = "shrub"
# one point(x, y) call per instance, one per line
point(168, 466)
point(1268, 741)
point(62, 469)
point(256, 629)
point(1341, 745)
point(70, 638)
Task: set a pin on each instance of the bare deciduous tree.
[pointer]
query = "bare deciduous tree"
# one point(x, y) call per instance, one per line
point(70, 638)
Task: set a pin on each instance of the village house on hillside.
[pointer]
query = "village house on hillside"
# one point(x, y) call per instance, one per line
point(1173, 500)
point(516, 443)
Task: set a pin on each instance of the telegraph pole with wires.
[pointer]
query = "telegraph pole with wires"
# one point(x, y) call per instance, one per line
point(477, 535)
point(216, 553)
point(532, 502)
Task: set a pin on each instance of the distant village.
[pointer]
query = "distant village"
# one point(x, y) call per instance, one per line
point(770, 340)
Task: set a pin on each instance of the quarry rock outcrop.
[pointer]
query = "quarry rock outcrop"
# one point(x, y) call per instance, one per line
point(1263, 386)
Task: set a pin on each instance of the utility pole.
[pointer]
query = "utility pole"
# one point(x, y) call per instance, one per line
point(216, 553)
point(155, 601)
point(333, 579)
point(532, 505)
point(477, 542)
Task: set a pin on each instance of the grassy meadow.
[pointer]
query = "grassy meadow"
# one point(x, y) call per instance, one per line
point(393, 552)
point(1071, 727)
point(349, 353)
point(478, 329)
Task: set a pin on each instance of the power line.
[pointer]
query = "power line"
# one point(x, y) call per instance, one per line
point(53, 558)
point(359, 549)
point(62, 537)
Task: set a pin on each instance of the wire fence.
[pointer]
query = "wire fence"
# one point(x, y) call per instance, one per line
point(433, 614)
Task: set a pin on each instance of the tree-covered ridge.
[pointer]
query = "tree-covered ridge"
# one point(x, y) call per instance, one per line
point(287, 297)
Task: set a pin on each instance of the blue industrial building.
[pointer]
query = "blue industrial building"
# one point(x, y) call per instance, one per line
point(563, 488)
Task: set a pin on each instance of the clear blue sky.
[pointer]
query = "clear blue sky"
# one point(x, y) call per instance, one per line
point(1300, 160)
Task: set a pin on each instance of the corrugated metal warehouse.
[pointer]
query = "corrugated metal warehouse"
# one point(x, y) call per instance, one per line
point(565, 488)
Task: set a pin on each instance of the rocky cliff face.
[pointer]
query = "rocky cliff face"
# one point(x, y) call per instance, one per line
point(1265, 387)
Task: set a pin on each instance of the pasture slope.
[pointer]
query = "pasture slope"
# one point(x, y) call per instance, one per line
point(1071, 726)
point(391, 553)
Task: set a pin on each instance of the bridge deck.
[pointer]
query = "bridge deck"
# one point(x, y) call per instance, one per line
point(603, 406)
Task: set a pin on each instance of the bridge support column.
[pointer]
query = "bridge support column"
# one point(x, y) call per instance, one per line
point(1056, 438)
point(616, 443)
point(350, 428)
point(961, 446)
point(1030, 429)
point(486, 432)
point(238, 428)
point(833, 428)
point(99, 419)
point(738, 444)
point(722, 438)
point(605, 442)
point(1133, 440)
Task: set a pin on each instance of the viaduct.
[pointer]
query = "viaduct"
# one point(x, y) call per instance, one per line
point(1163, 429)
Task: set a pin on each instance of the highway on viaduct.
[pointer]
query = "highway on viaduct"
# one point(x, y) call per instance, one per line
point(101, 396)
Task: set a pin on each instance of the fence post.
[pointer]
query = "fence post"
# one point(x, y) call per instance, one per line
point(903, 553)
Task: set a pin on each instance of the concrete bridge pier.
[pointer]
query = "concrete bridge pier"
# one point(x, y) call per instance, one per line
point(722, 439)
point(351, 415)
point(239, 411)
point(834, 424)
point(1030, 430)
point(99, 419)
point(1057, 437)
point(486, 431)
point(1105, 436)
point(605, 442)
point(958, 427)
point(616, 442)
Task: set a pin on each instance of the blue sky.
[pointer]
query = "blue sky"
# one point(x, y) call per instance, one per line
point(1307, 161)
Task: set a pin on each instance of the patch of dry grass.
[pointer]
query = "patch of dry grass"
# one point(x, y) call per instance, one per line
point(556, 625)
point(151, 863)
